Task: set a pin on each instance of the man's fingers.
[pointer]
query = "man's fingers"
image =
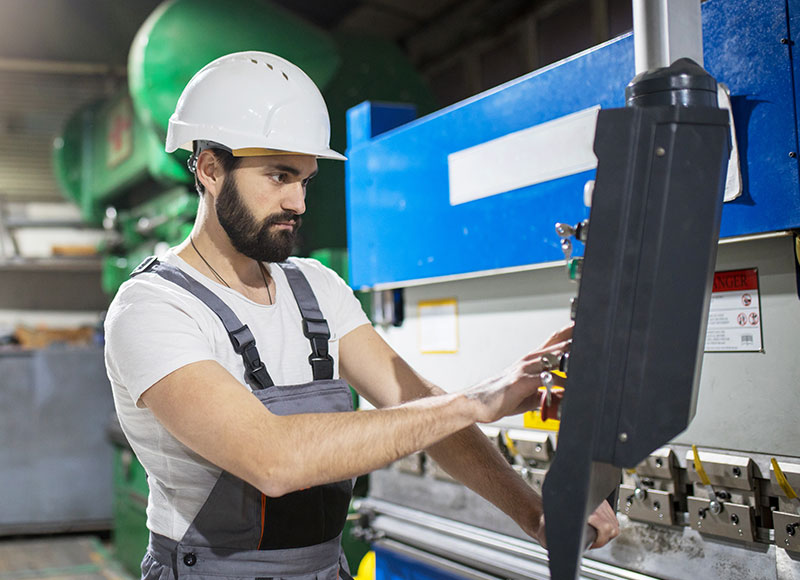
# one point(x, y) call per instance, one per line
point(604, 520)
point(535, 358)
point(559, 336)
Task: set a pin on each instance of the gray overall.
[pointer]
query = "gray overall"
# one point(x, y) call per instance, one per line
point(239, 532)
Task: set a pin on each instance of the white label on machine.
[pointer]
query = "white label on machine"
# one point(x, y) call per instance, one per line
point(548, 151)
point(534, 155)
point(734, 319)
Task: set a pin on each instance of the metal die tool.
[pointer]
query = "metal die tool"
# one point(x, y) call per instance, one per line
point(786, 478)
point(533, 452)
point(722, 470)
point(786, 520)
point(730, 508)
point(787, 530)
point(648, 492)
point(733, 521)
point(534, 447)
point(647, 505)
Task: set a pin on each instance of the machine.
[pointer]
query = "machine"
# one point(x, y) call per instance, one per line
point(451, 225)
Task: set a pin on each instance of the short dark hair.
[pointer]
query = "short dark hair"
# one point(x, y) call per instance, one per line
point(226, 160)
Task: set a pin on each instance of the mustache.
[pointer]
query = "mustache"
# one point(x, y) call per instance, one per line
point(284, 217)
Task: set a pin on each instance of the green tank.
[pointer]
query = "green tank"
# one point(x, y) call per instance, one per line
point(105, 152)
point(182, 36)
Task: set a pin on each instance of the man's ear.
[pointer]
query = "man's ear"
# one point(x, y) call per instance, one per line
point(209, 172)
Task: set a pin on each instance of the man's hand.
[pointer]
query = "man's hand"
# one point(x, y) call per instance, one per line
point(603, 520)
point(515, 390)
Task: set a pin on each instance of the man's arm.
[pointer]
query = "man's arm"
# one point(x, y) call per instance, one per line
point(385, 379)
point(229, 427)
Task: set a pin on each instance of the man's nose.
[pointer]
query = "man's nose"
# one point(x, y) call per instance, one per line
point(295, 198)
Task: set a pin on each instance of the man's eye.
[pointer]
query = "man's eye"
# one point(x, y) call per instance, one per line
point(278, 177)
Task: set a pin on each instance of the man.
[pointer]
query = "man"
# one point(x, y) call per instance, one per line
point(224, 358)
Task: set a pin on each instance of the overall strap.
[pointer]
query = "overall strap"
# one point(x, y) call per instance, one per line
point(242, 339)
point(315, 327)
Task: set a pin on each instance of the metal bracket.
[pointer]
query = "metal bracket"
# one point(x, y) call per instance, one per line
point(734, 521)
point(656, 506)
point(787, 530)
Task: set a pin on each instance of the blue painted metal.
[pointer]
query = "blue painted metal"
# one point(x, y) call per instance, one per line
point(369, 119)
point(390, 565)
point(793, 18)
point(402, 227)
point(743, 50)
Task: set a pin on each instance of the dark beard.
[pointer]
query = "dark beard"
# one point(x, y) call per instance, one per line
point(250, 238)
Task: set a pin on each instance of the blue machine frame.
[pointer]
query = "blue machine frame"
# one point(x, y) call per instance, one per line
point(402, 227)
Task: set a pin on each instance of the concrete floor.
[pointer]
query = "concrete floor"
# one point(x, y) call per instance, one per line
point(81, 557)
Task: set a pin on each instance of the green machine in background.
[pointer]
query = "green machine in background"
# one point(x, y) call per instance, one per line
point(182, 36)
point(105, 153)
point(110, 157)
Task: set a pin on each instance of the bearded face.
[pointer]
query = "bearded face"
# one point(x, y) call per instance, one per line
point(264, 241)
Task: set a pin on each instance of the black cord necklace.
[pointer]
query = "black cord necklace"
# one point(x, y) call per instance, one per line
point(264, 277)
point(221, 279)
point(210, 267)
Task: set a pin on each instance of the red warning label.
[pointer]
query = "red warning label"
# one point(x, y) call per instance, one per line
point(734, 318)
point(736, 280)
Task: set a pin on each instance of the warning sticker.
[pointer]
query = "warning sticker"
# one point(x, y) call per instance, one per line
point(734, 319)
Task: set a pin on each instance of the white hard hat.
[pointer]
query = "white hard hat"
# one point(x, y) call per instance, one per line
point(253, 103)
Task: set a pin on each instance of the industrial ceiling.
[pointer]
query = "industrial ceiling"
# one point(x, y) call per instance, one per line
point(462, 46)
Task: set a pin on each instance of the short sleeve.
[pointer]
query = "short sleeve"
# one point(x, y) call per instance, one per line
point(152, 331)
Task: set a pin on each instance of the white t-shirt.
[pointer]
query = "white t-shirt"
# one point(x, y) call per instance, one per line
point(155, 327)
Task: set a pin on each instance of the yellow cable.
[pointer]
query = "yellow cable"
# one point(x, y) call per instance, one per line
point(698, 466)
point(782, 481)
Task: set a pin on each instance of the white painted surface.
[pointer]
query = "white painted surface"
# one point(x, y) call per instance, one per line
point(500, 319)
point(534, 155)
point(747, 401)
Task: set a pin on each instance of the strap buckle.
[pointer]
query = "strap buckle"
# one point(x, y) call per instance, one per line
point(244, 343)
point(241, 339)
point(318, 333)
point(321, 366)
point(252, 360)
point(316, 328)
